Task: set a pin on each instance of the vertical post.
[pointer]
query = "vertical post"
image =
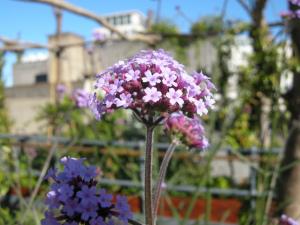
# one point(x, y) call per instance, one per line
point(253, 191)
point(58, 17)
point(56, 65)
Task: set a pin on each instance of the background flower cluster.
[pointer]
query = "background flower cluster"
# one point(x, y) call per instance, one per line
point(74, 198)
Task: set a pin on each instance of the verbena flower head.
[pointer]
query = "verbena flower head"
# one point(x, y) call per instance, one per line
point(75, 199)
point(188, 130)
point(285, 220)
point(153, 85)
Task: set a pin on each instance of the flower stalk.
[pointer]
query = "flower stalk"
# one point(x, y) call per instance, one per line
point(162, 175)
point(148, 175)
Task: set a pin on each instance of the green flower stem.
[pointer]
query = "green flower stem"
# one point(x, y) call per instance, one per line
point(162, 175)
point(148, 176)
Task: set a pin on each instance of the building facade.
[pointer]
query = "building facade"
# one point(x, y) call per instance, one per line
point(129, 23)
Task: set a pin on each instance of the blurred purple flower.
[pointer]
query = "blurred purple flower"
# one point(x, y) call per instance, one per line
point(76, 200)
point(71, 223)
point(123, 209)
point(87, 195)
point(65, 192)
point(97, 221)
point(98, 36)
point(88, 173)
point(51, 174)
point(52, 200)
point(81, 98)
point(292, 14)
point(104, 198)
point(88, 211)
point(295, 2)
point(49, 219)
point(285, 220)
point(61, 90)
point(70, 206)
point(286, 14)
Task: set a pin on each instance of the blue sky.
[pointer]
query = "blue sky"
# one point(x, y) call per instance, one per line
point(34, 22)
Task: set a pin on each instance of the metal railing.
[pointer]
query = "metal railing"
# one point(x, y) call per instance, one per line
point(136, 149)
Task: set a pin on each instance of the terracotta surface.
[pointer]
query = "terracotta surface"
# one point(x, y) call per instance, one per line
point(222, 210)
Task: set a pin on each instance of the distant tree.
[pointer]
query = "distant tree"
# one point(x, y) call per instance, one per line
point(290, 178)
point(261, 77)
point(172, 39)
point(164, 27)
point(209, 25)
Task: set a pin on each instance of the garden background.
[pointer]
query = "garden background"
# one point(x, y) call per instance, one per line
point(250, 172)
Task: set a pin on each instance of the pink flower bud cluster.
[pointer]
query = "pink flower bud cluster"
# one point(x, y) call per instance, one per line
point(189, 131)
point(152, 84)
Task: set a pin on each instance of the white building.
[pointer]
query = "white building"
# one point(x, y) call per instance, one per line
point(129, 23)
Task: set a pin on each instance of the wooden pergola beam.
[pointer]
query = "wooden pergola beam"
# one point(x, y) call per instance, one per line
point(17, 46)
point(99, 19)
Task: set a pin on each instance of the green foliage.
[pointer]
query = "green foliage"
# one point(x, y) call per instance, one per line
point(164, 27)
point(6, 162)
point(4, 121)
point(241, 135)
point(172, 40)
point(209, 25)
point(75, 122)
point(5, 217)
point(261, 77)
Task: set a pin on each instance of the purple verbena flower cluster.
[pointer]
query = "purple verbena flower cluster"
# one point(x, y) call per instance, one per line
point(152, 83)
point(295, 14)
point(189, 131)
point(81, 98)
point(74, 198)
point(285, 220)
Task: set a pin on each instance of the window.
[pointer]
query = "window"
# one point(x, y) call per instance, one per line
point(118, 19)
point(114, 20)
point(126, 19)
point(41, 78)
point(129, 19)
